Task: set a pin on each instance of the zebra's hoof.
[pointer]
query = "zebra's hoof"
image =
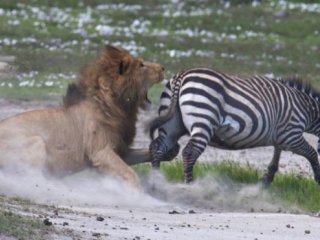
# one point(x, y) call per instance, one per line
point(266, 181)
point(317, 179)
point(156, 165)
point(188, 180)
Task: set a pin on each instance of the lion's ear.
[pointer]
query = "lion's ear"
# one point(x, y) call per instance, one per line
point(111, 49)
point(124, 65)
point(111, 52)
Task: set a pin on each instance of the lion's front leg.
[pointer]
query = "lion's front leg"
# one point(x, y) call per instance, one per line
point(136, 156)
point(108, 162)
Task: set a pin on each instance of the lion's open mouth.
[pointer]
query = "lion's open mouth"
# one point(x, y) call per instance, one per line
point(146, 104)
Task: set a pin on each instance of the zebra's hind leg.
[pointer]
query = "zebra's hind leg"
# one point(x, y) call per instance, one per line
point(303, 148)
point(272, 168)
point(160, 152)
point(190, 154)
point(157, 148)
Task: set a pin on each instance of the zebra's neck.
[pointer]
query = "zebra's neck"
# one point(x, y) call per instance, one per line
point(311, 99)
point(311, 110)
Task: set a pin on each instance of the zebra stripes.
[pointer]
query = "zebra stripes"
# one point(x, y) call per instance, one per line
point(232, 113)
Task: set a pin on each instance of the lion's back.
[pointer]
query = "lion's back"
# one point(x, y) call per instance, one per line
point(28, 137)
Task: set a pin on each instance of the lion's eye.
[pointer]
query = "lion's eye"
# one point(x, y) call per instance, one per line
point(141, 64)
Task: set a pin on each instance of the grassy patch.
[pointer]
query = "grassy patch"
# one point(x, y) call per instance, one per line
point(22, 219)
point(297, 190)
point(20, 227)
point(290, 189)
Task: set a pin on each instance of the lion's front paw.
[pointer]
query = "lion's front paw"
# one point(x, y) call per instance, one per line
point(133, 180)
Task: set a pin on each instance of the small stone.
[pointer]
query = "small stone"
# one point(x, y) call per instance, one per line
point(307, 231)
point(192, 211)
point(47, 222)
point(174, 212)
point(65, 224)
point(100, 219)
point(96, 234)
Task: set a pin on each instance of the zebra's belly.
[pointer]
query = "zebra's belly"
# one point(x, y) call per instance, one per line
point(227, 137)
point(227, 145)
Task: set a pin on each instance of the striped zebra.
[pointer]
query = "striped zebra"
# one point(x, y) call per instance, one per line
point(232, 113)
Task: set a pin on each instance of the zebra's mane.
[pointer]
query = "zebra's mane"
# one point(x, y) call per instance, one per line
point(301, 85)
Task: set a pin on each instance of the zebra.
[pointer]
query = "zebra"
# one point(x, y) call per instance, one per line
point(230, 112)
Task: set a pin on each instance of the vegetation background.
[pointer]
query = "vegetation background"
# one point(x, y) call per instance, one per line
point(51, 40)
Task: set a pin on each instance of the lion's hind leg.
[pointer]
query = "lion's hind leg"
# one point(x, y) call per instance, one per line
point(110, 163)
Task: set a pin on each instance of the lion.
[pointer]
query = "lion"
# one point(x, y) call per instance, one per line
point(94, 127)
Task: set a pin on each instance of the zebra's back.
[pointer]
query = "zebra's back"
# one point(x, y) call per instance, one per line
point(239, 113)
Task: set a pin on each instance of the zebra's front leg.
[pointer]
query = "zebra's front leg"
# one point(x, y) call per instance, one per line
point(272, 168)
point(303, 148)
point(190, 154)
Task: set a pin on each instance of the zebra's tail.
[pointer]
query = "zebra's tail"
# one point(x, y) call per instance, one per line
point(159, 121)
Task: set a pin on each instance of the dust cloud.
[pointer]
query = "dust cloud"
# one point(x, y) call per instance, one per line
point(86, 188)
point(215, 194)
point(90, 189)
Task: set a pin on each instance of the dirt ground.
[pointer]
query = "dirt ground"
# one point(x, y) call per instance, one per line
point(86, 206)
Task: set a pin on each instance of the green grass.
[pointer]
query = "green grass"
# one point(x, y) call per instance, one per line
point(239, 39)
point(19, 219)
point(20, 227)
point(289, 189)
point(297, 190)
point(40, 86)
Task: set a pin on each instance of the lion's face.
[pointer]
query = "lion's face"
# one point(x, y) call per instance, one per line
point(119, 78)
point(146, 74)
point(132, 77)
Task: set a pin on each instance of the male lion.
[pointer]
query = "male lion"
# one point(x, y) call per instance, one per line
point(96, 125)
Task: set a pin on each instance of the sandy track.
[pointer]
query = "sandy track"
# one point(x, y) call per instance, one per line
point(174, 211)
